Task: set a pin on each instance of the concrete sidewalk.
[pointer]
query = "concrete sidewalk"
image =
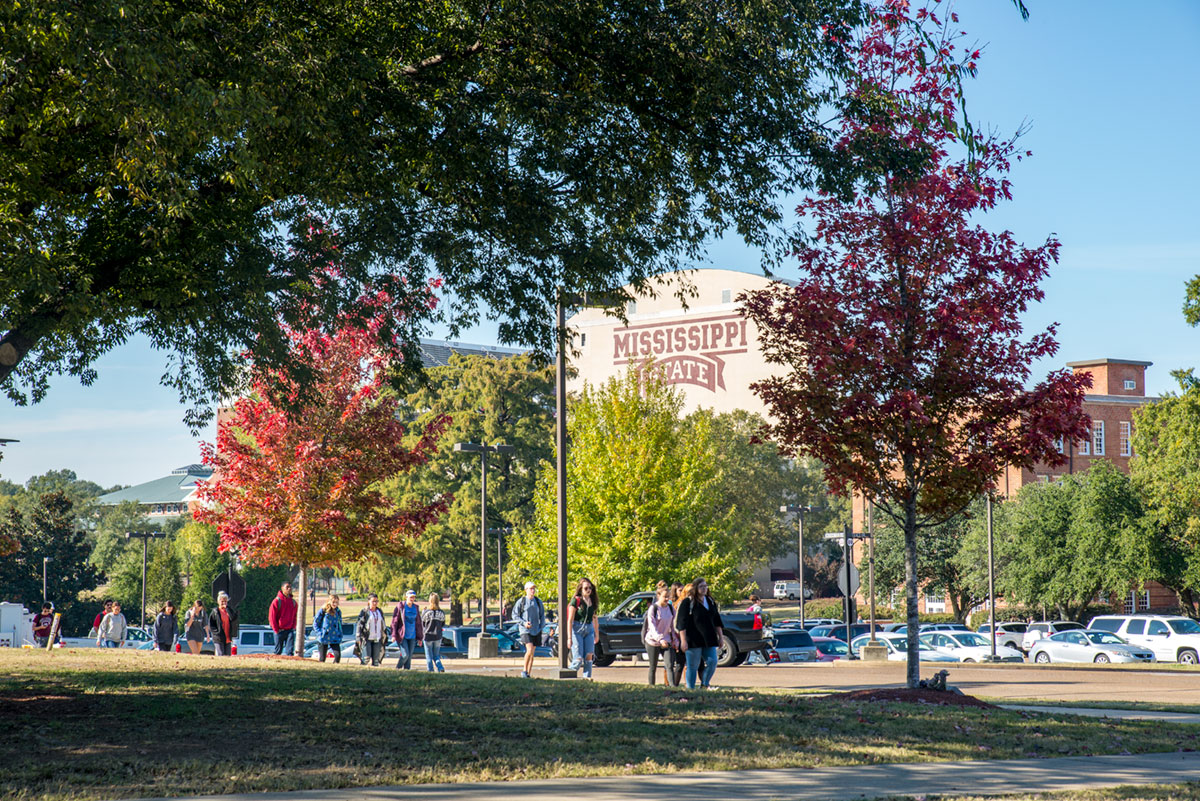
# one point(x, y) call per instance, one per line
point(1101, 712)
point(984, 777)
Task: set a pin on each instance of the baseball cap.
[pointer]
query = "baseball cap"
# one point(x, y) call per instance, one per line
point(410, 594)
point(529, 585)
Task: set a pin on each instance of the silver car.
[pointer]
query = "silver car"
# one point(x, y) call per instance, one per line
point(897, 648)
point(1088, 645)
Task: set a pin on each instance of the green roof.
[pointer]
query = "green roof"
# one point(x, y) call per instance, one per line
point(175, 488)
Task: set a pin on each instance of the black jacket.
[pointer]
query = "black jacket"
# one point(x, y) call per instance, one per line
point(214, 623)
point(166, 629)
point(699, 624)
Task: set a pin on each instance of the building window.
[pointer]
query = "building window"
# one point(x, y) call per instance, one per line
point(1083, 448)
point(727, 296)
point(1126, 445)
point(1043, 479)
point(631, 307)
point(1137, 602)
point(935, 600)
point(1058, 444)
point(583, 340)
point(1098, 437)
point(1130, 383)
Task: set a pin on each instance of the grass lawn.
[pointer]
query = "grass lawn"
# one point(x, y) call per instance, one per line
point(1136, 706)
point(106, 724)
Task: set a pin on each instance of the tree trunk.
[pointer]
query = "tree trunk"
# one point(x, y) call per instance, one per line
point(456, 613)
point(910, 592)
point(303, 613)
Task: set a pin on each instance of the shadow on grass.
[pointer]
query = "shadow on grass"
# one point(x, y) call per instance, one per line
point(169, 727)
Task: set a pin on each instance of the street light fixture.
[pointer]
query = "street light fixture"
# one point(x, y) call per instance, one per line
point(800, 511)
point(145, 537)
point(483, 451)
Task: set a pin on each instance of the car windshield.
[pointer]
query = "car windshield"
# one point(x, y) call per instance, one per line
point(833, 648)
point(1104, 638)
point(1184, 626)
point(971, 639)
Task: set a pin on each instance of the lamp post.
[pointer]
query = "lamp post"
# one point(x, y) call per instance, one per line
point(145, 537)
point(991, 580)
point(500, 533)
point(483, 451)
point(45, 561)
point(800, 512)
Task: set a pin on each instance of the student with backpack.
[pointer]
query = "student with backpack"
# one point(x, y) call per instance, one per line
point(531, 621)
point(433, 620)
point(327, 625)
point(660, 637)
point(582, 627)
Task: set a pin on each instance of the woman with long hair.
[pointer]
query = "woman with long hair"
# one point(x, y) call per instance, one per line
point(700, 631)
point(327, 625)
point(582, 627)
point(195, 627)
point(433, 620)
point(660, 637)
point(166, 628)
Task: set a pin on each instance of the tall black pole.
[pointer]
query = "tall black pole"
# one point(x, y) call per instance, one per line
point(800, 560)
point(871, 563)
point(561, 466)
point(991, 579)
point(145, 545)
point(483, 544)
point(847, 556)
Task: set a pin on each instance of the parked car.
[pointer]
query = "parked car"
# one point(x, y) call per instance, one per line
point(897, 645)
point(1036, 631)
point(902, 628)
point(1008, 634)
point(968, 646)
point(1170, 637)
point(1088, 645)
point(134, 638)
point(830, 649)
point(790, 590)
point(621, 632)
point(789, 646)
point(838, 630)
point(809, 623)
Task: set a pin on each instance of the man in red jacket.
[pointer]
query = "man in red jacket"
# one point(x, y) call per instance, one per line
point(282, 616)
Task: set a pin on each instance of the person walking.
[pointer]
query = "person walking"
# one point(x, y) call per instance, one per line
point(281, 614)
point(369, 633)
point(223, 623)
point(42, 623)
point(406, 629)
point(531, 621)
point(113, 629)
point(660, 637)
point(433, 620)
point(700, 631)
point(195, 627)
point(166, 628)
point(100, 619)
point(582, 627)
point(327, 625)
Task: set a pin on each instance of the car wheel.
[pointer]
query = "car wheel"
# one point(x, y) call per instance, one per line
point(741, 660)
point(1188, 657)
point(727, 653)
point(1101, 659)
point(1042, 658)
point(602, 659)
point(791, 596)
point(968, 660)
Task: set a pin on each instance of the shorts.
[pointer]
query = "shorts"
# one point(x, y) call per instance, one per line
point(532, 639)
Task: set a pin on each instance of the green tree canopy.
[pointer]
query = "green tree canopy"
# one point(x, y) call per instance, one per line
point(48, 530)
point(1166, 471)
point(1061, 543)
point(645, 497)
point(508, 400)
point(163, 165)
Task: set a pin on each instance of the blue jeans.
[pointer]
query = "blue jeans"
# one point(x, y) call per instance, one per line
point(109, 644)
point(285, 642)
point(692, 656)
point(406, 651)
point(583, 647)
point(433, 656)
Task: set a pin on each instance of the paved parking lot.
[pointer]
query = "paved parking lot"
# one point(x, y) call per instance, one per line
point(1093, 685)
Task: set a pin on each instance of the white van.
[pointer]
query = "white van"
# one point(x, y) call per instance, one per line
point(787, 589)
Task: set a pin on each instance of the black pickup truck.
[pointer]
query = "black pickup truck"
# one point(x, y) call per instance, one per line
point(621, 632)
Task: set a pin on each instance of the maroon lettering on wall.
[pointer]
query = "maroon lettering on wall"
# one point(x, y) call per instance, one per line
point(683, 352)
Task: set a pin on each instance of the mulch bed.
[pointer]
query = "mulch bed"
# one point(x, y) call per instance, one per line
point(293, 657)
point(907, 696)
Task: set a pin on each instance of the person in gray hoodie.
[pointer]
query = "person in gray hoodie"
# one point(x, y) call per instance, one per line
point(531, 620)
point(112, 629)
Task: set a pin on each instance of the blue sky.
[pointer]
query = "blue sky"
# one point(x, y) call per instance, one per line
point(1110, 92)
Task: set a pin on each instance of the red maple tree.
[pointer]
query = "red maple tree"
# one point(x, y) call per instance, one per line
point(297, 478)
point(905, 367)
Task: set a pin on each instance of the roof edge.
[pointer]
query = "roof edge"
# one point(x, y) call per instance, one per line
point(1099, 362)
